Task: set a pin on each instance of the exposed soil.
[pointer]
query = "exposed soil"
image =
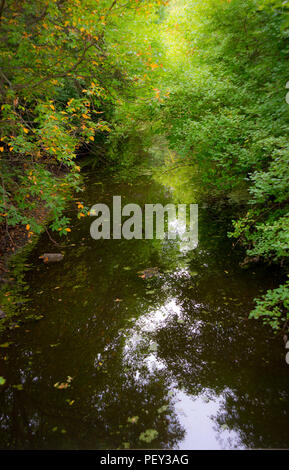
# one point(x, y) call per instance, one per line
point(15, 238)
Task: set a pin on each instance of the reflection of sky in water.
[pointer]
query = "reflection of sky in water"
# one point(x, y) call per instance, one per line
point(196, 414)
point(196, 417)
point(186, 240)
point(175, 350)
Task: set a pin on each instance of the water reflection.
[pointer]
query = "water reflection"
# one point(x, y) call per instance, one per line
point(173, 353)
point(192, 412)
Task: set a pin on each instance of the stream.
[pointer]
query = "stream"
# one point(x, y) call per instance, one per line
point(118, 360)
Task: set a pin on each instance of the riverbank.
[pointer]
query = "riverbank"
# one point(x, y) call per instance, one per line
point(13, 239)
point(15, 245)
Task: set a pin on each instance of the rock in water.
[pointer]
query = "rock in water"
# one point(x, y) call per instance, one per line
point(149, 272)
point(249, 259)
point(51, 257)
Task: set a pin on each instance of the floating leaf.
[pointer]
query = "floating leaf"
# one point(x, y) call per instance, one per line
point(63, 385)
point(133, 419)
point(70, 402)
point(149, 435)
point(162, 409)
point(18, 387)
point(225, 427)
point(148, 273)
point(194, 273)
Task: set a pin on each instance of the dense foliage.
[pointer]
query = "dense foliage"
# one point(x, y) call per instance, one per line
point(232, 120)
point(220, 101)
point(64, 65)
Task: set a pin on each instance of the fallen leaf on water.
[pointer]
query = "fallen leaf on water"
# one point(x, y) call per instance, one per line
point(148, 273)
point(193, 273)
point(63, 385)
point(133, 419)
point(6, 345)
point(70, 402)
point(153, 347)
point(149, 435)
point(225, 427)
point(18, 387)
point(162, 409)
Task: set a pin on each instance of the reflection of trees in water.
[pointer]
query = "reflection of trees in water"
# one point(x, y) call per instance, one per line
point(105, 397)
point(219, 353)
point(249, 414)
point(213, 350)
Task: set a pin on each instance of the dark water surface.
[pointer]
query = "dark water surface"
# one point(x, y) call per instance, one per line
point(166, 362)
